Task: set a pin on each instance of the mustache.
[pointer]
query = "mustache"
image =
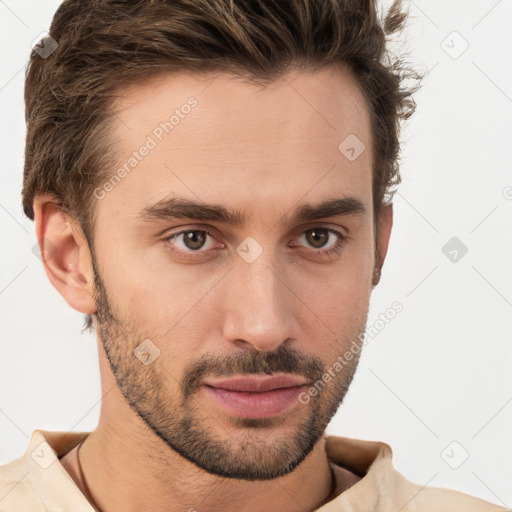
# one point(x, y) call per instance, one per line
point(282, 360)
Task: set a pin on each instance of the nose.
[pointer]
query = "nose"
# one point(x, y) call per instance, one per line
point(259, 307)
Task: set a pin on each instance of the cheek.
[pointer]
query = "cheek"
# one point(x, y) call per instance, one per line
point(135, 285)
point(336, 299)
point(167, 303)
point(343, 285)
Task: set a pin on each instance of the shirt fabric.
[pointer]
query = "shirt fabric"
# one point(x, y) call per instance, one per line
point(38, 482)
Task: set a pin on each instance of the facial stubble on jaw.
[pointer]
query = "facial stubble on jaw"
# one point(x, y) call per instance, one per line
point(187, 428)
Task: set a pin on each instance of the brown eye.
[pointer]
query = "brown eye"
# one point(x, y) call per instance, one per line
point(322, 241)
point(194, 239)
point(317, 237)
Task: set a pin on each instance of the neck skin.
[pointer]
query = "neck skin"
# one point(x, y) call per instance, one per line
point(121, 453)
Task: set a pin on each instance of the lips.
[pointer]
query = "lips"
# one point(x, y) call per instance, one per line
point(257, 384)
point(255, 396)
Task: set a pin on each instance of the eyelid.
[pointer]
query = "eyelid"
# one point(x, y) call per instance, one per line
point(342, 231)
point(342, 237)
point(205, 230)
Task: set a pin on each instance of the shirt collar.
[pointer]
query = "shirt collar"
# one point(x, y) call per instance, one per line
point(50, 480)
point(381, 487)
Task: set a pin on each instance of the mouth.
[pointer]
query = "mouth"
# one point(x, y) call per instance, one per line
point(255, 396)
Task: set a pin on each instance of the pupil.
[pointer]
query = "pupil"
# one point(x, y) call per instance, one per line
point(193, 240)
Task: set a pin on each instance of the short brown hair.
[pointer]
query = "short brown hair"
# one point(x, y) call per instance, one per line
point(103, 46)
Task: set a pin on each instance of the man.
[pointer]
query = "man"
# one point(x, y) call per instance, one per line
point(210, 184)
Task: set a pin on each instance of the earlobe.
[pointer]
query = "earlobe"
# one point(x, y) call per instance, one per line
point(382, 242)
point(65, 254)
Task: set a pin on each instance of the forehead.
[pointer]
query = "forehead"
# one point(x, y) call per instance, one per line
point(217, 137)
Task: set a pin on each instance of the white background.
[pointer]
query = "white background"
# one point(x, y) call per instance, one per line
point(438, 373)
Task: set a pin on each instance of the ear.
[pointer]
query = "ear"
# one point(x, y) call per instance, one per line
point(385, 223)
point(65, 254)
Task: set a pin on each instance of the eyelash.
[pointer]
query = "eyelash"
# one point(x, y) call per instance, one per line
point(336, 249)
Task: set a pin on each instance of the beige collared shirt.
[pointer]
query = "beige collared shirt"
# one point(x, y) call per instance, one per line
point(38, 482)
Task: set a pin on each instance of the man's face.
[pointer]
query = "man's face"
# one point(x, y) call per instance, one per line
point(204, 299)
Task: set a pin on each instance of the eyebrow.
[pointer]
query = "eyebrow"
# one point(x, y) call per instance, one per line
point(180, 208)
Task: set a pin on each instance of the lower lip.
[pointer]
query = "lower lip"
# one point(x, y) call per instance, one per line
point(255, 405)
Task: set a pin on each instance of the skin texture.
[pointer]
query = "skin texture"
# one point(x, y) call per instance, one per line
point(293, 310)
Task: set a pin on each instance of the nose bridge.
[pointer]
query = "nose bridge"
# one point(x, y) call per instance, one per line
point(259, 307)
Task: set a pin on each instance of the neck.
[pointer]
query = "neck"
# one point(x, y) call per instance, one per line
point(113, 472)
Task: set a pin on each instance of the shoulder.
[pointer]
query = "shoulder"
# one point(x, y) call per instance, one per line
point(37, 479)
point(16, 491)
point(438, 498)
point(382, 487)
